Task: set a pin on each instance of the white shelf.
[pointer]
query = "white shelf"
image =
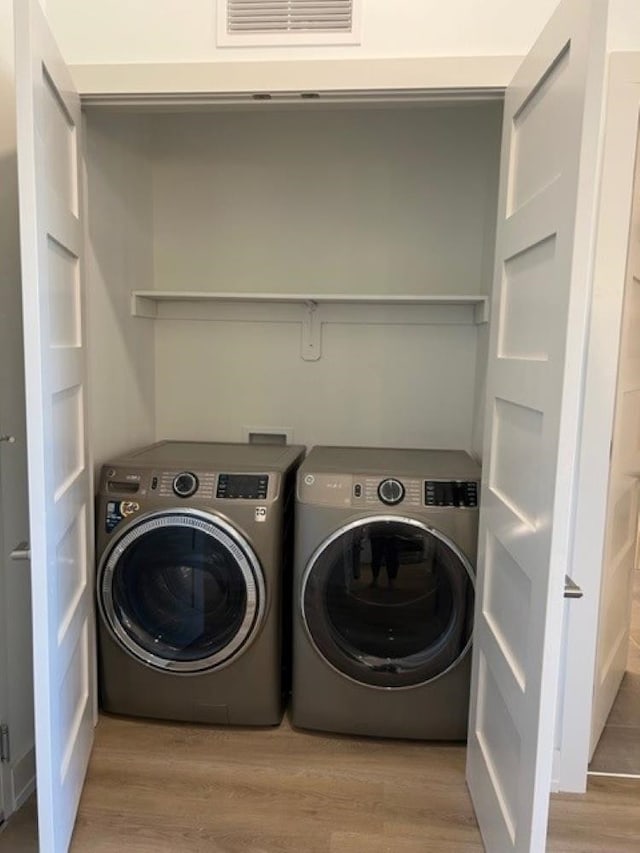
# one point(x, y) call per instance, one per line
point(310, 310)
point(145, 302)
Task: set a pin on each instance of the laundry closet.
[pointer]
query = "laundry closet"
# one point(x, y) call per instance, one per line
point(319, 264)
point(315, 269)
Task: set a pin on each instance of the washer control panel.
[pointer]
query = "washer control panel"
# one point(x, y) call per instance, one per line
point(201, 485)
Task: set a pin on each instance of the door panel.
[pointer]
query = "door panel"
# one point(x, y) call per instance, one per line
point(541, 290)
point(622, 500)
point(60, 484)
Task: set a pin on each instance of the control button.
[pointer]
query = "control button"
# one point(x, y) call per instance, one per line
point(185, 484)
point(309, 479)
point(391, 492)
point(357, 490)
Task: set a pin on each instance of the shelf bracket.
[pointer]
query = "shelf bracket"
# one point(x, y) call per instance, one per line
point(481, 311)
point(311, 345)
point(142, 306)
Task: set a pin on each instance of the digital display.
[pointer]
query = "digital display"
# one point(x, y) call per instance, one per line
point(451, 493)
point(246, 486)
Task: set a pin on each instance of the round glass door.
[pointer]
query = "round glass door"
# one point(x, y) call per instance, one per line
point(388, 602)
point(181, 591)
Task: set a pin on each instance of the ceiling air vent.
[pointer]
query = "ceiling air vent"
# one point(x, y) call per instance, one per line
point(287, 22)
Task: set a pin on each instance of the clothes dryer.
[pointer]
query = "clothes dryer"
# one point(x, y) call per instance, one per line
point(193, 545)
point(384, 572)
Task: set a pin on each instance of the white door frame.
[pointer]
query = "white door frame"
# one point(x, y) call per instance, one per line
point(614, 216)
point(5, 804)
point(16, 681)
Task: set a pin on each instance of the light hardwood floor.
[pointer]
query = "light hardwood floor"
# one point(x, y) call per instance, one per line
point(155, 788)
point(20, 833)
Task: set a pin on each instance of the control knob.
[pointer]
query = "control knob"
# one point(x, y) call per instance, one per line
point(391, 491)
point(185, 484)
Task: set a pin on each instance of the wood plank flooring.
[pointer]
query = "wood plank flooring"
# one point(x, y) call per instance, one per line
point(604, 820)
point(20, 833)
point(155, 788)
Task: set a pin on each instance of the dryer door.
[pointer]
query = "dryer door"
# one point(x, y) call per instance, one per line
point(182, 591)
point(388, 601)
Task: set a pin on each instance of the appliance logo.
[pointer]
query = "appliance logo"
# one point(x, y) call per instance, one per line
point(261, 513)
point(129, 507)
point(117, 510)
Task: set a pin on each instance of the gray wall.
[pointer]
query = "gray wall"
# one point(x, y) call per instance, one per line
point(119, 258)
point(331, 201)
point(325, 200)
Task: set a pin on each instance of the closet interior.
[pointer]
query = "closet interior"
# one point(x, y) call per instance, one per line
point(320, 271)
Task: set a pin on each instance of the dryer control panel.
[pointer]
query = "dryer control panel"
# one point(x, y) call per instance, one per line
point(365, 491)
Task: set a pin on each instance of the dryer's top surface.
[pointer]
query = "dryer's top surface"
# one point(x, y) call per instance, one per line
point(214, 455)
point(385, 461)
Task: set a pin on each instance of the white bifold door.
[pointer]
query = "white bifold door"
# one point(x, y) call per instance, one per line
point(541, 291)
point(540, 302)
point(60, 488)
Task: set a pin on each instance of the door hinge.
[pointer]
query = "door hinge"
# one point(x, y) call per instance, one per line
point(5, 752)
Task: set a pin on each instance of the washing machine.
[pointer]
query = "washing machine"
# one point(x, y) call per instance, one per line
point(385, 551)
point(193, 544)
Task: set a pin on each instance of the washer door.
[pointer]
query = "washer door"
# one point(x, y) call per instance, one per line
point(182, 591)
point(388, 602)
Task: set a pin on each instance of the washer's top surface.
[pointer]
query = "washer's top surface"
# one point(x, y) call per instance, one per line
point(390, 462)
point(214, 456)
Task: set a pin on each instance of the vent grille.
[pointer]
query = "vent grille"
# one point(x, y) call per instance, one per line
point(289, 16)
